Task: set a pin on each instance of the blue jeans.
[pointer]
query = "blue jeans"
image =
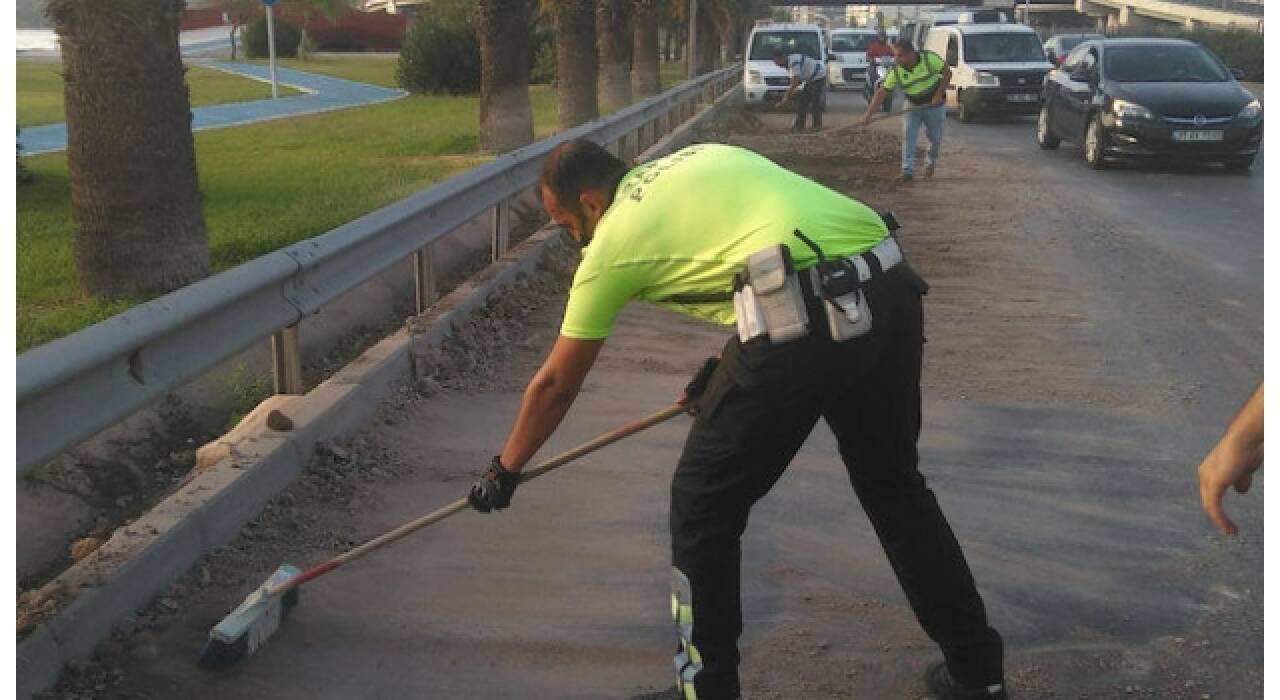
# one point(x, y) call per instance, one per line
point(933, 118)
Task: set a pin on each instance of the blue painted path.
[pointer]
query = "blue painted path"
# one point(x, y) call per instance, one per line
point(324, 94)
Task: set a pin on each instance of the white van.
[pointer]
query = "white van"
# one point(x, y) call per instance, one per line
point(946, 18)
point(848, 68)
point(995, 68)
point(762, 81)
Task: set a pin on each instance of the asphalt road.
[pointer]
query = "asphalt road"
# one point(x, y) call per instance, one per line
point(1080, 523)
point(1181, 246)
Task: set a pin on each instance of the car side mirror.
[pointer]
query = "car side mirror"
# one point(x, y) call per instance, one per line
point(1237, 73)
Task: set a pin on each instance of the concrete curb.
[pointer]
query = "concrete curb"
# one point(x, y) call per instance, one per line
point(147, 555)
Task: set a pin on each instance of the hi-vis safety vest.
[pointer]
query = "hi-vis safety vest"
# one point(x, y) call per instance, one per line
point(918, 83)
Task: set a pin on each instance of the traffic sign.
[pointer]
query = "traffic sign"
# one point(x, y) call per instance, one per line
point(268, 3)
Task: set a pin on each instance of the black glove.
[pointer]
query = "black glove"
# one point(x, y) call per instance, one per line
point(494, 489)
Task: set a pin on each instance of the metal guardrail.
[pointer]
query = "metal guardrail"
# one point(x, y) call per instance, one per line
point(74, 387)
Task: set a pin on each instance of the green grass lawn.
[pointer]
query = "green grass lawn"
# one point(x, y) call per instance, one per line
point(265, 186)
point(375, 69)
point(39, 90)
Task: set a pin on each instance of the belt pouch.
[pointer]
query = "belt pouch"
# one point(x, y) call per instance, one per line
point(747, 309)
point(848, 315)
point(772, 278)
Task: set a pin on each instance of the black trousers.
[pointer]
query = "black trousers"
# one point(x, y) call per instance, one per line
point(759, 407)
point(811, 100)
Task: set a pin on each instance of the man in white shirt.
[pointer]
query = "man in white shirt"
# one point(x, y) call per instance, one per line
point(808, 77)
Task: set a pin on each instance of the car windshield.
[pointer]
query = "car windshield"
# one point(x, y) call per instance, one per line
point(851, 42)
point(766, 43)
point(1002, 48)
point(1163, 64)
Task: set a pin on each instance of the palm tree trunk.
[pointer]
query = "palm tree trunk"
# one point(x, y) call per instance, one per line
point(613, 38)
point(646, 79)
point(708, 45)
point(131, 163)
point(506, 119)
point(575, 27)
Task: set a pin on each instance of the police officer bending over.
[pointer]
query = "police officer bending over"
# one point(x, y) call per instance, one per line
point(828, 317)
point(809, 78)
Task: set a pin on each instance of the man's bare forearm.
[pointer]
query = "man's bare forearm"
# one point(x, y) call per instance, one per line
point(546, 401)
point(548, 397)
point(1245, 431)
point(876, 99)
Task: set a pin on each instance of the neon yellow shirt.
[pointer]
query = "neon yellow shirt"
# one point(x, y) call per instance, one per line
point(685, 224)
point(918, 80)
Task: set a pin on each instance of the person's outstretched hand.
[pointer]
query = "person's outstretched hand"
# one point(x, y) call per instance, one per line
point(1227, 465)
point(1233, 461)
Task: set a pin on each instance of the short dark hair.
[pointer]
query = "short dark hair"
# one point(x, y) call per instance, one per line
point(580, 165)
point(905, 45)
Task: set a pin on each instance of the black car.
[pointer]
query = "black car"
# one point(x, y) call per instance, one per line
point(1150, 98)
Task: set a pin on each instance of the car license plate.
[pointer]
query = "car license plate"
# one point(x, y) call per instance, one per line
point(1023, 97)
point(1198, 135)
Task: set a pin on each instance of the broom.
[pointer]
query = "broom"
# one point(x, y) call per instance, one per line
point(248, 627)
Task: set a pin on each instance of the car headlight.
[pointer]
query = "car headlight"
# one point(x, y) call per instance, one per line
point(1125, 109)
point(754, 77)
point(1253, 110)
point(984, 79)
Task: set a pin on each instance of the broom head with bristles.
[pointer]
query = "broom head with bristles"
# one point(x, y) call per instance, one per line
point(248, 627)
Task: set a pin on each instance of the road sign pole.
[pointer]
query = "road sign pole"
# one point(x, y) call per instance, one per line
point(271, 51)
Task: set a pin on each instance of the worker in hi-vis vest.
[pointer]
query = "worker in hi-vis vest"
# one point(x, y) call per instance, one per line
point(923, 77)
point(829, 326)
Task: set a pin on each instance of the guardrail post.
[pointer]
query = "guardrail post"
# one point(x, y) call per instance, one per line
point(286, 361)
point(424, 279)
point(499, 241)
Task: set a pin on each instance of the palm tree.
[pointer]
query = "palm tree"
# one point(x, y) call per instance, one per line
point(645, 77)
point(131, 160)
point(574, 22)
point(613, 37)
point(708, 45)
point(502, 29)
